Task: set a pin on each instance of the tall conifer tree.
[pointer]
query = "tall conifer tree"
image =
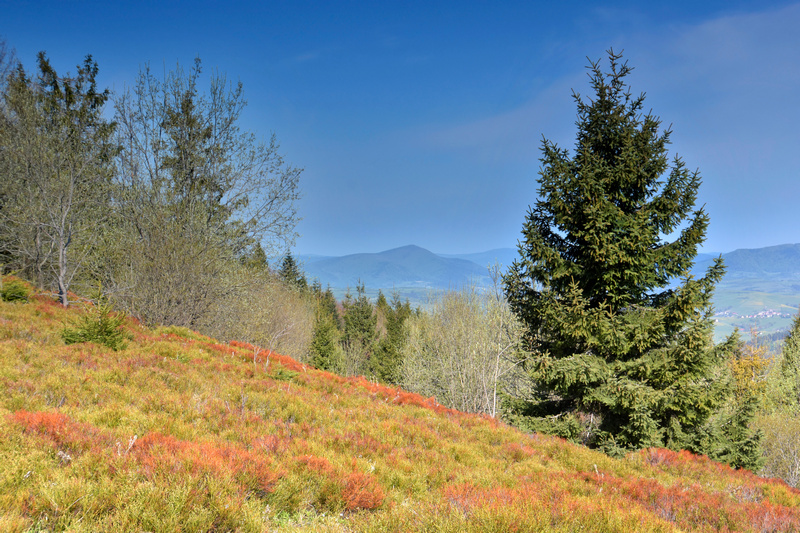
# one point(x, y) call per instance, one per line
point(620, 334)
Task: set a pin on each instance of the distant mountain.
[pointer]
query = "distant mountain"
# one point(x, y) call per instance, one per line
point(761, 287)
point(413, 266)
point(782, 261)
point(502, 256)
point(408, 266)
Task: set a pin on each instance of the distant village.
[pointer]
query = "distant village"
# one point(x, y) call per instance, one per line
point(766, 313)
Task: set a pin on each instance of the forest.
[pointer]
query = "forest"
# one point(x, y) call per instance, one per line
point(153, 204)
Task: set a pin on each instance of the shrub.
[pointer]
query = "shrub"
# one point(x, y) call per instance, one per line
point(14, 291)
point(362, 491)
point(101, 326)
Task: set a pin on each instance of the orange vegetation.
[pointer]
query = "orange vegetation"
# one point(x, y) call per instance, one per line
point(178, 432)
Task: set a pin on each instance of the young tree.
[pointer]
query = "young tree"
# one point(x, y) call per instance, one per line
point(359, 332)
point(387, 360)
point(790, 366)
point(622, 359)
point(57, 171)
point(325, 352)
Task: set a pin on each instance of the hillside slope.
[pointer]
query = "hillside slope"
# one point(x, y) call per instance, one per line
point(177, 432)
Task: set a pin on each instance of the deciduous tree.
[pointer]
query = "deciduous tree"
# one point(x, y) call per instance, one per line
point(463, 350)
point(56, 159)
point(196, 195)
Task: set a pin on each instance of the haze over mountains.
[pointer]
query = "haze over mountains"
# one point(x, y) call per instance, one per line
point(413, 266)
point(761, 287)
point(405, 267)
point(782, 261)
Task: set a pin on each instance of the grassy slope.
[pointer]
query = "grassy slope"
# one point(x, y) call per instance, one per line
point(180, 433)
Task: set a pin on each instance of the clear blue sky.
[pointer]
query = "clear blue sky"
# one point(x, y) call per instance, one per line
point(421, 122)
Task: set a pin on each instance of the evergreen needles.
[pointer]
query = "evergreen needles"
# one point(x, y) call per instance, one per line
point(101, 326)
point(620, 333)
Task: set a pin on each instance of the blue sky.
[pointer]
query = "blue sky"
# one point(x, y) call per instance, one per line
point(421, 122)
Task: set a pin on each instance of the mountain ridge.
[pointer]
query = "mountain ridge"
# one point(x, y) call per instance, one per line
point(761, 287)
point(414, 266)
point(781, 260)
point(406, 266)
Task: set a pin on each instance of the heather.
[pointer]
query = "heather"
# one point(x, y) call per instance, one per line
point(175, 431)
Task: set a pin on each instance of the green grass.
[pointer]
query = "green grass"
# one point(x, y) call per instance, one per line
point(177, 432)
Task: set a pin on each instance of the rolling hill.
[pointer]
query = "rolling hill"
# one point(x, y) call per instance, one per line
point(177, 432)
point(406, 267)
point(760, 291)
point(772, 262)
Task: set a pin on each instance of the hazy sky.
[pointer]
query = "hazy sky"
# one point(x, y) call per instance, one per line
point(421, 122)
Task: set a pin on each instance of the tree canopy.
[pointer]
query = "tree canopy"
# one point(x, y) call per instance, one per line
point(619, 332)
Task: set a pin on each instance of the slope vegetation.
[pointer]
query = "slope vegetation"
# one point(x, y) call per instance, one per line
point(177, 432)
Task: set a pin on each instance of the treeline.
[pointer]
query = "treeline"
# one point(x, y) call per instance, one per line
point(169, 208)
point(461, 349)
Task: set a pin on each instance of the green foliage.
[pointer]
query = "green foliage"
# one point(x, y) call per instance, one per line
point(291, 273)
point(57, 169)
point(737, 444)
point(778, 416)
point(463, 350)
point(359, 332)
point(387, 360)
point(325, 352)
point(781, 446)
point(789, 368)
point(14, 291)
point(196, 200)
point(620, 356)
point(101, 325)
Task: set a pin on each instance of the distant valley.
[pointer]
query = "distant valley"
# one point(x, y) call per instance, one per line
point(761, 287)
point(411, 271)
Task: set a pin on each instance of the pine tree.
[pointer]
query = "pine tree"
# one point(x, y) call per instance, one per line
point(619, 332)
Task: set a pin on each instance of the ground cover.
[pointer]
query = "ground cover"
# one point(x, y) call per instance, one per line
point(177, 432)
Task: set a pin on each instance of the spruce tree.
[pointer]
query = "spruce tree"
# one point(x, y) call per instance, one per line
point(358, 336)
point(386, 363)
point(620, 334)
point(325, 352)
point(291, 273)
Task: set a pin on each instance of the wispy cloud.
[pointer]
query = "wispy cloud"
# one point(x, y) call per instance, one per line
point(735, 73)
point(513, 133)
point(311, 55)
point(729, 86)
